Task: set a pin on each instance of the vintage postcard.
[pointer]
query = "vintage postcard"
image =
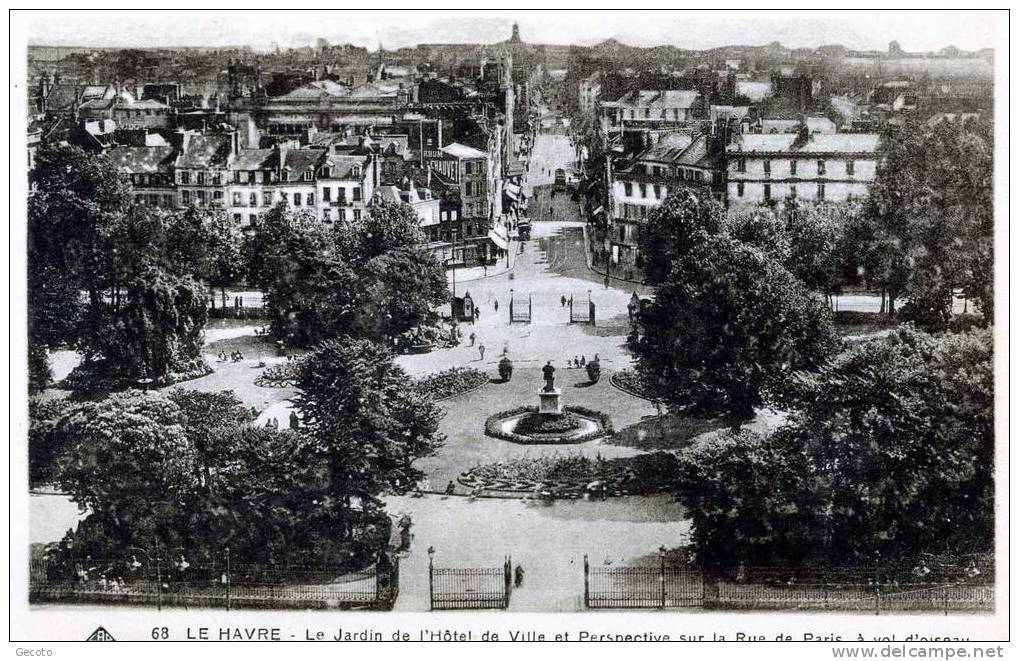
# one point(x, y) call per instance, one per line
point(395, 325)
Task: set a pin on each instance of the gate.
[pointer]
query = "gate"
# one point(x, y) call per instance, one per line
point(581, 313)
point(519, 308)
point(470, 588)
point(642, 587)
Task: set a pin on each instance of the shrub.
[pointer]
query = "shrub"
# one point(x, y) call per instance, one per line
point(451, 382)
point(594, 371)
point(505, 369)
point(281, 375)
point(547, 423)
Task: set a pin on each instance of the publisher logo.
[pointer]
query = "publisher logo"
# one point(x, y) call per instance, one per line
point(100, 635)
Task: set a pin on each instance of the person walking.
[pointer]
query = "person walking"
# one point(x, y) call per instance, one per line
point(481, 350)
point(473, 337)
point(562, 301)
point(496, 305)
point(477, 314)
point(518, 576)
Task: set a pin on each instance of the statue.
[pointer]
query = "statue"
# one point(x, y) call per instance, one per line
point(549, 373)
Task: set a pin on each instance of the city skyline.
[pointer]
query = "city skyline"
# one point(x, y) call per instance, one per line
point(694, 30)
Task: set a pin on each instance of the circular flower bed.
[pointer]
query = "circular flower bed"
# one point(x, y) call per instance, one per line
point(454, 381)
point(525, 424)
point(281, 375)
point(631, 382)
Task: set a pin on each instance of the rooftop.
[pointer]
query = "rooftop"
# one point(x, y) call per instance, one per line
point(817, 143)
point(457, 150)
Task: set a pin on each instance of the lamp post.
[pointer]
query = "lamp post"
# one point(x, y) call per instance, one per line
point(226, 578)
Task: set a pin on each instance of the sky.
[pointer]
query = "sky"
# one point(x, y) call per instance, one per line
point(862, 29)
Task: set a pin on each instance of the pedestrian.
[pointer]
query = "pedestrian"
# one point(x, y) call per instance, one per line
point(562, 301)
point(473, 337)
point(485, 268)
point(576, 362)
point(450, 488)
point(583, 361)
point(497, 305)
point(481, 350)
point(518, 576)
point(477, 314)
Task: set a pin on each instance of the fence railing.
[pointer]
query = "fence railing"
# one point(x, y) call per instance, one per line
point(470, 588)
point(842, 590)
point(214, 585)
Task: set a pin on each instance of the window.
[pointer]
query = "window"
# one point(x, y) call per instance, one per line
point(237, 218)
point(792, 167)
point(357, 214)
point(311, 199)
point(185, 197)
point(792, 192)
point(341, 214)
point(658, 192)
point(767, 192)
point(698, 175)
point(767, 167)
point(251, 177)
point(297, 199)
point(253, 199)
point(327, 194)
point(741, 165)
point(821, 167)
point(643, 190)
point(218, 196)
point(739, 189)
point(307, 176)
point(327, 215)
point(324, 172)
point(467, 167)
point(185, 177)
point(201, 178)
point(237, 199)
point(820, 191)
point(850, 168)
point(237, 177)
point(628, 189)
point(267, 198)
point(357, 194)
point(253, 218)
point(341, 195)
point(217, 179)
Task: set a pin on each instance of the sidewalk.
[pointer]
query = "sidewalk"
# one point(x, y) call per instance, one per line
point(472, 273)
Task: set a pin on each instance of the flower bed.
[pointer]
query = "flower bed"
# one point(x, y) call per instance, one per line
point(494, 426)
point(281, 375)
point(571, 475)
point(546, 423)
point(451, 382)
point(631, 382)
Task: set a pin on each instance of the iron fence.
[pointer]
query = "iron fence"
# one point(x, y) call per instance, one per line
point(941, 590)
point(163, 582)
point(470, 588)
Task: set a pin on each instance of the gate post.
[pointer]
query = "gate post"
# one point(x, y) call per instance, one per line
point(431, 578)
point(587, 586)
point(661, 556)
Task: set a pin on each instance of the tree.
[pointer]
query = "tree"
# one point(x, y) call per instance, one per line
point(129, 462)
point(366, 425)
point(150, 331)
point(224, 264)
point(929, 216)
point(682, 221)
point(819, 251)
point(367, 277)
point(402, 288)
point(745, 497)
point(728, 321)
point(898, 435)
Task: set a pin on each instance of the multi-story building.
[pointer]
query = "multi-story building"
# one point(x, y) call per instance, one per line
point(589, 96)
point(346, 185)
point(678, 160)
point(202, 169)
point(642, 110)
point(465, 170)
point(765, 168)
point(145, 114)
point(149, 170)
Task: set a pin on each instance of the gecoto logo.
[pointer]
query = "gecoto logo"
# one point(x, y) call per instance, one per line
point(21, 651)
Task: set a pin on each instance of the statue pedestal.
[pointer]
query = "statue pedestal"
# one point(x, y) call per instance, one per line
point(550, 402)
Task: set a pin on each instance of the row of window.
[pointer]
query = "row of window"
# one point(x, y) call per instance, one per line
point(635, 211)
point(792, 191)
point(201, 178)
point(154, 200)
point(341, 194)
point(327, 216)
point(822, 166)
point(645, 113)
point(150, 180)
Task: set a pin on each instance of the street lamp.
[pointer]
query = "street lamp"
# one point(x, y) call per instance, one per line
point(431, 577)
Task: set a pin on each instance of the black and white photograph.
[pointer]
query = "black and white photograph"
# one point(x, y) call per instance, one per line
point(327, 317)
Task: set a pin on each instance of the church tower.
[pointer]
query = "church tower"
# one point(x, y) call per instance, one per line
point(515, 38)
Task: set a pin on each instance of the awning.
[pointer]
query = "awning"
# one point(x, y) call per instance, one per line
point(512, 191)
point(499, 238)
